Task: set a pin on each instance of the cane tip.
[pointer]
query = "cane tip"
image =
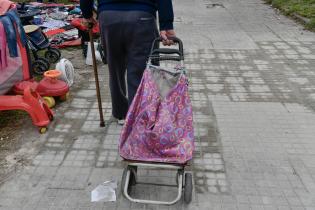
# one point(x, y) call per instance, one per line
point(102, 124)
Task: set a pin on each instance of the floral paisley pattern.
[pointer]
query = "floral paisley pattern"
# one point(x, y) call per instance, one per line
point(159, 129)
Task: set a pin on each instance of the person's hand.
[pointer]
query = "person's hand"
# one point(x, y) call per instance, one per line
point(90, 22)
point(165, 34)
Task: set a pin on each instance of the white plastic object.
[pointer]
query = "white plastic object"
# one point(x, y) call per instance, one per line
point(104, 192)
point(67, 71)
point(89, 60)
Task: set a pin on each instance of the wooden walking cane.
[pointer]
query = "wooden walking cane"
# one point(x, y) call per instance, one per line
point(98, 93)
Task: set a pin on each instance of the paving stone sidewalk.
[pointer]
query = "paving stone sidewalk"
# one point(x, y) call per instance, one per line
point(253, 90)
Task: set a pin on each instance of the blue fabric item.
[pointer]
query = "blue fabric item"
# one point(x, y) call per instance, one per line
point(8, 20)
point(75, 11)
point(164, 8)
point(15, 19)
point(38, 39)
point(10, 35)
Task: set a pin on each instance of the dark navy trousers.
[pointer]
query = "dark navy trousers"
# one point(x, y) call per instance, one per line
point(127, 36)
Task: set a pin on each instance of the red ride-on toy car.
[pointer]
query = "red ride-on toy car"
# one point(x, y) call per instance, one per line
point(49, 87)
point(32, 103)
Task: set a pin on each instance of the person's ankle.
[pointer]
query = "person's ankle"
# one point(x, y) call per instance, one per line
point(120, 121)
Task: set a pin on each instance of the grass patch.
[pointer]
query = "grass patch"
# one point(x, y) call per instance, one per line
point(311, 25)
point(11, 117)
point(10, 121)
point(304, 8)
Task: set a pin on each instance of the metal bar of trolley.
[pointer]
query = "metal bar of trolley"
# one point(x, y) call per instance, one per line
point(161, 166)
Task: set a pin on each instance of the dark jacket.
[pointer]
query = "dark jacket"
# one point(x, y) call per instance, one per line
point(163, 7)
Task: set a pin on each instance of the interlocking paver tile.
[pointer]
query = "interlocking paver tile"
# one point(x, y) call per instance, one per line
point(252, 82)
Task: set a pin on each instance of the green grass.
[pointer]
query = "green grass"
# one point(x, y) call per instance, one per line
point(311, 24)
point(305, 8)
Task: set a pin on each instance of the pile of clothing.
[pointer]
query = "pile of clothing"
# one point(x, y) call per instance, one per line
point(61, 23)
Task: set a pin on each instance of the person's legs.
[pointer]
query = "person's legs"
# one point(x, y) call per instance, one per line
point(128, 37)
point(112, 35)
point(139, 34)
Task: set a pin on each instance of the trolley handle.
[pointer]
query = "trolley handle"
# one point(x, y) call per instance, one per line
point(165, 58)
point(155, 50)
point(167, 51)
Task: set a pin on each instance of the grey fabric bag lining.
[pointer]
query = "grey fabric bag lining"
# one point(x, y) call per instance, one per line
point(164, 79)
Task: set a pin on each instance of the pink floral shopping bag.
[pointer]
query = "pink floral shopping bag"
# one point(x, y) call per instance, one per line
point(159, 126)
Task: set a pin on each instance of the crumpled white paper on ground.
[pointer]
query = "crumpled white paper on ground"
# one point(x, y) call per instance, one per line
point(104, 192)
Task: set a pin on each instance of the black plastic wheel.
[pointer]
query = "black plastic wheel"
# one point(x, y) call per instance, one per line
point(133, 175)
point(52, 55)
point(188, 188)
point(57, 51)
point(39, 67)
point(45, 61)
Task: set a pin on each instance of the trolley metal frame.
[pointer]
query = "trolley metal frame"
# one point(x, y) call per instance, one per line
point(180, 185)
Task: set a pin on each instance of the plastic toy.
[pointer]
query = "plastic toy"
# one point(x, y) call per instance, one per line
point(49, 87)
point(19, 70)
point(32, 103)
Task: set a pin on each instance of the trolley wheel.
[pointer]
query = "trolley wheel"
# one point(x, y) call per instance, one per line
point(65, 97)
point(39, 67)
point(133, 175)
point(50, 101)
point(53, 55)
point(188, 188)
point(42, 130)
